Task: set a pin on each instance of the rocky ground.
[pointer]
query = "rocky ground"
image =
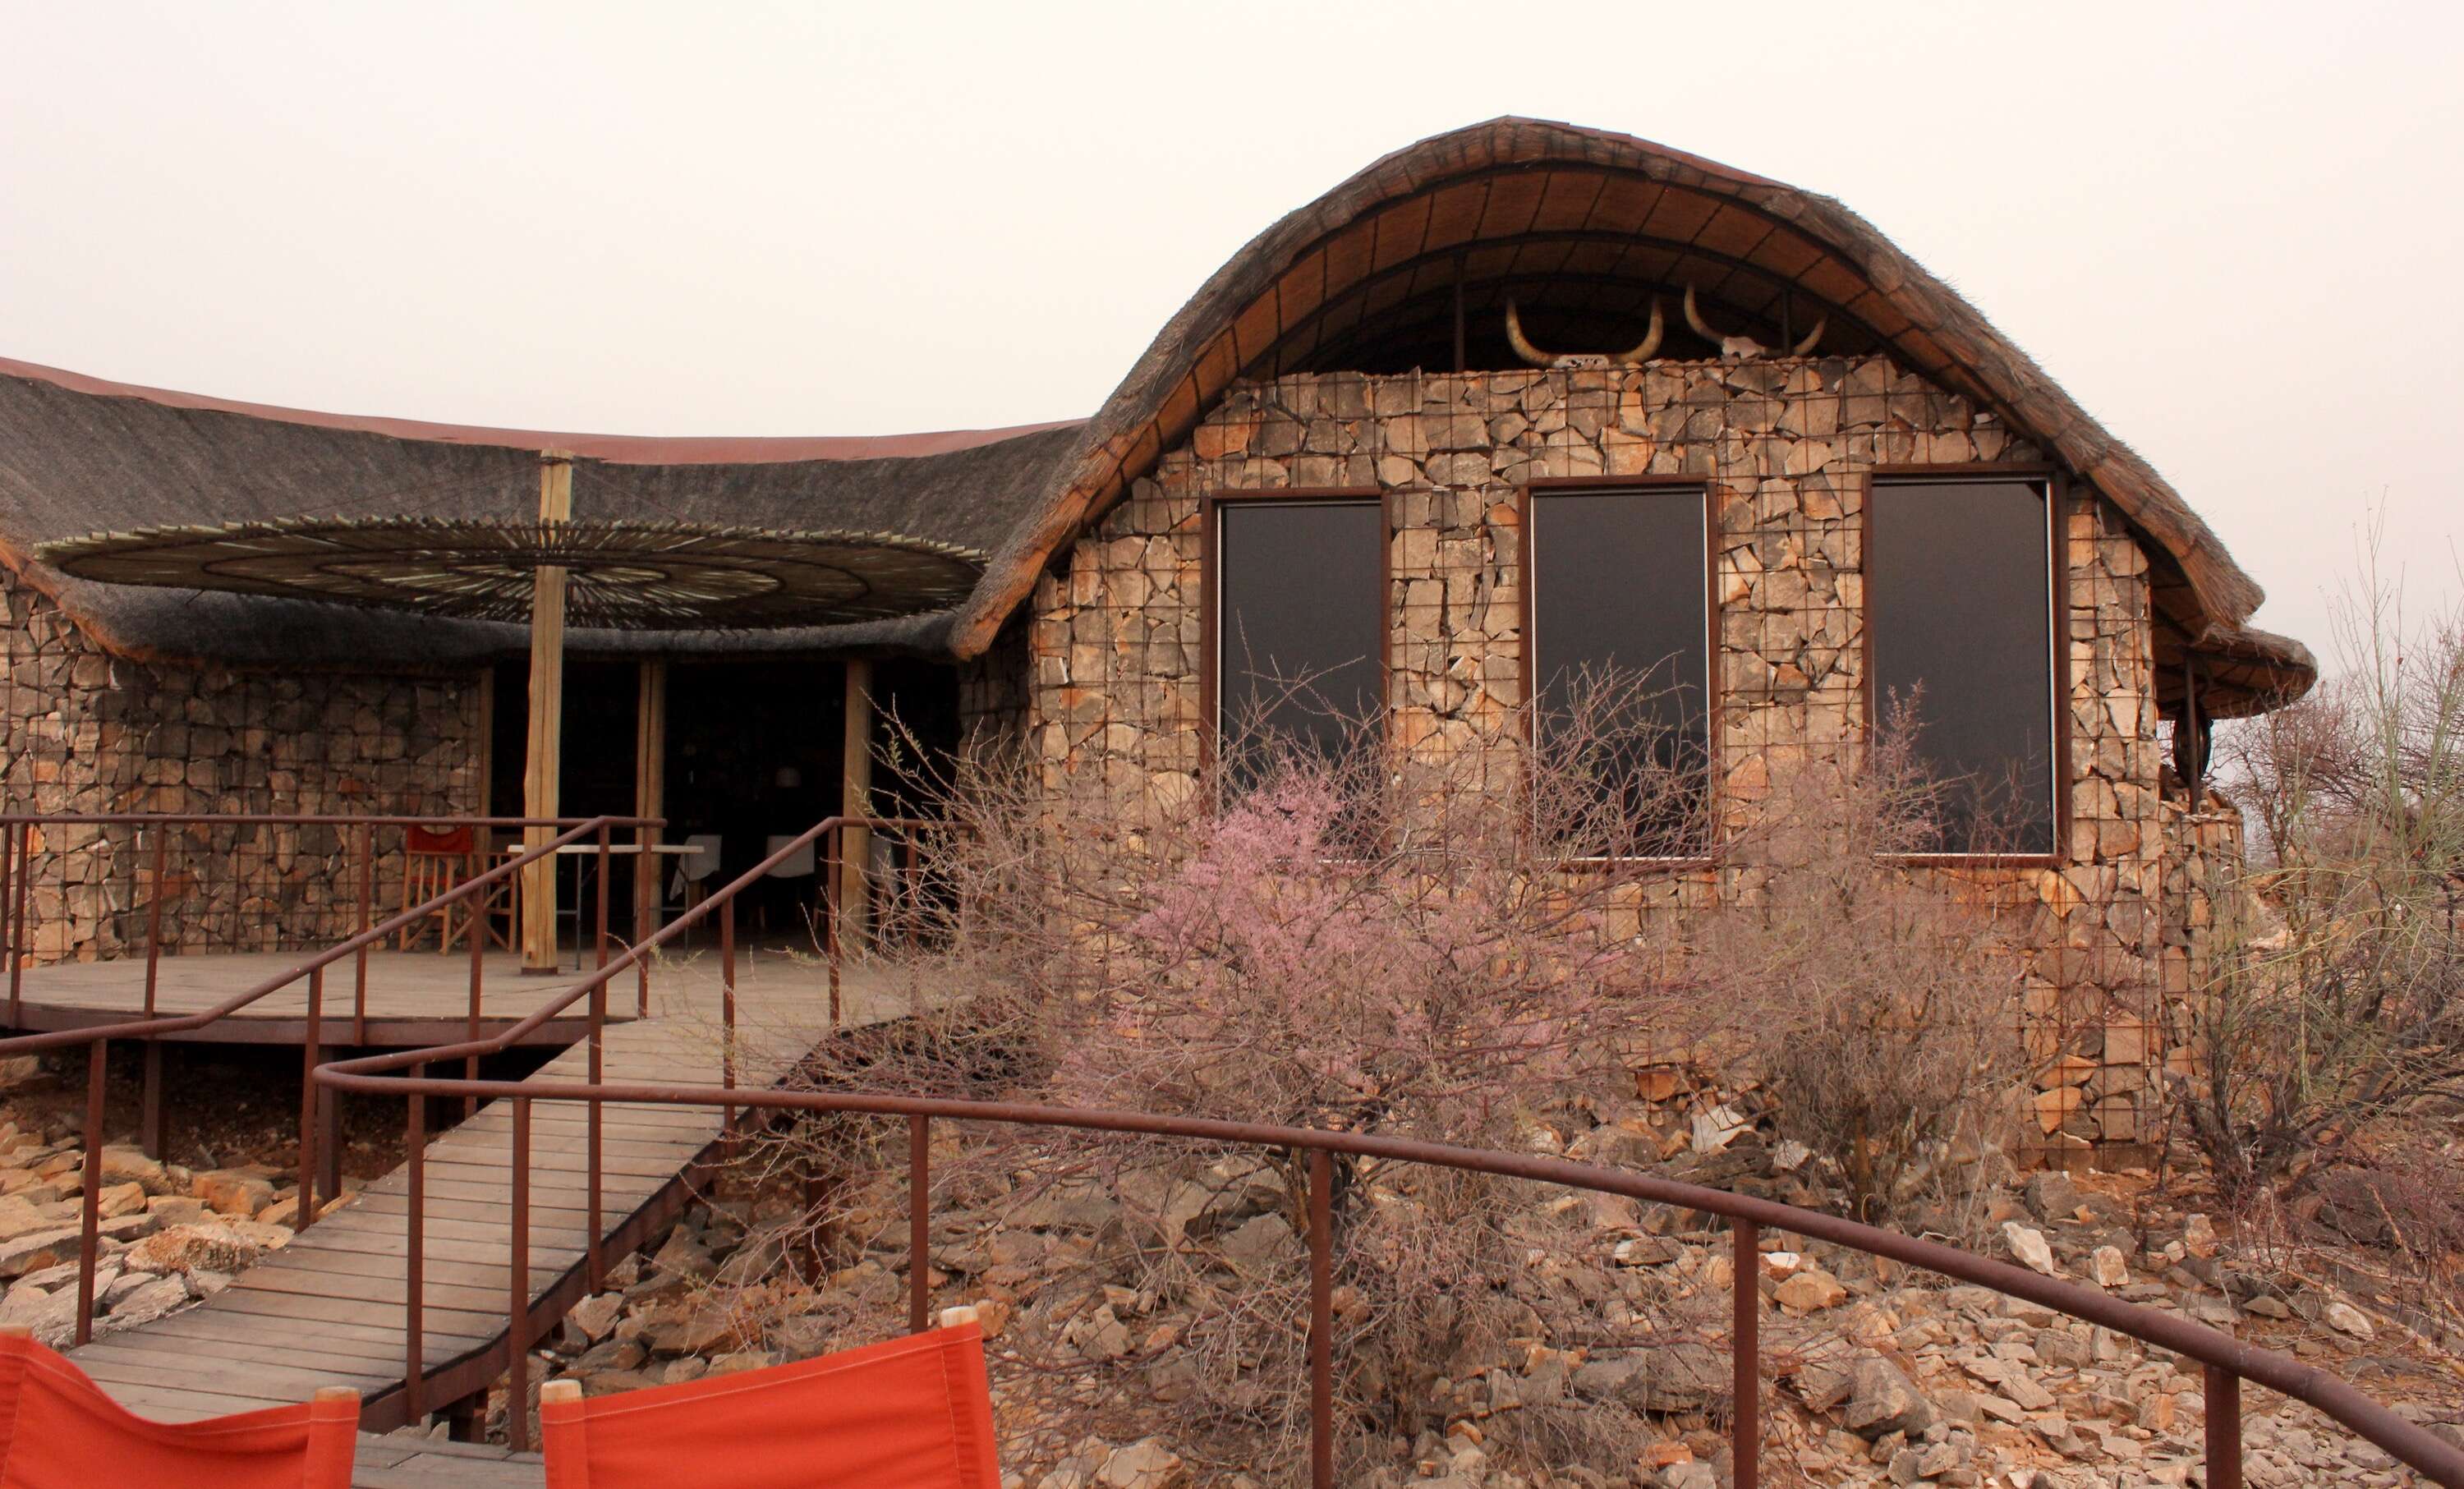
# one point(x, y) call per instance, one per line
point(1874, 1375)
point(1877, 1375)
point(169, 1235)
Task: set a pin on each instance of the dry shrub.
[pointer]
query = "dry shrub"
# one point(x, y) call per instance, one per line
point(1878, 1003)
point(2330, 1030)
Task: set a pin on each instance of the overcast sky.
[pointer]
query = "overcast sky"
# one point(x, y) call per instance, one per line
point(2232, 231)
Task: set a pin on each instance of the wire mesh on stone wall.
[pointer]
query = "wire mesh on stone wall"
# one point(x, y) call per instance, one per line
point(88, 733)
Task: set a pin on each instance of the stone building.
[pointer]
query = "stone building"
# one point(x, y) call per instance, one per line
point(1759, 433)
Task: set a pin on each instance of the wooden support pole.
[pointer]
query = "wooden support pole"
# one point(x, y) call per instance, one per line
point(542, 779)
point(855, 800)
point(650, 791)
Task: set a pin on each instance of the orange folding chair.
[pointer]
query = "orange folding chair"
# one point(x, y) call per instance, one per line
point(911, 1413)
point(58, 1431)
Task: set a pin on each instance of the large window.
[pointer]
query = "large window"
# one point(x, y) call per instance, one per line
point(1959, 617)
point(1620, 657)
point(1300, 621)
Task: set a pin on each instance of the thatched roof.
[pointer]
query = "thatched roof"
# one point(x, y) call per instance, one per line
point(78, 456)
point(1586, 223)
point(1580, 224)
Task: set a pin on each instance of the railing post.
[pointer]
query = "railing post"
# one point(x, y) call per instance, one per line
point(367, 908)
point(478, 960)
point(21, 942)
point(517, 1289)
point(727, 1016)
point(414, 1371)
point(1745, 1417)
point(8, 896)
point(90, 1224)
point(598, 1120)
point(919, 1223)
point(836, 837)
point(154, 922)
point(602, 892)
point(2223, 1428)
point(1321, 1337)
point(307, 1205)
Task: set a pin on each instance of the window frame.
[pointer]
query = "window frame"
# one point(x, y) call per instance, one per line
point(1528, 637)
point(1210, 599)
point(2054, 485)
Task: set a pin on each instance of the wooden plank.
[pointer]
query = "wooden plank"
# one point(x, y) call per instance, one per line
point(431, 1471)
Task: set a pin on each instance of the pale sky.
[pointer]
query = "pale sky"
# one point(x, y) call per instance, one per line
point(2232, 231)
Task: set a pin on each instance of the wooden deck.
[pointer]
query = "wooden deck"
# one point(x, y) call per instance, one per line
point(413, 998)
point(327, 1309)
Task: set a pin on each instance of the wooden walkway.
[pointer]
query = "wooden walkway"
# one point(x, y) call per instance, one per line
point(413, 998)
point(327, 1309)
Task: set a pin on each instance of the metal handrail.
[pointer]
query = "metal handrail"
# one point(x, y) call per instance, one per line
point(2226, 1361)
point(97, 1038)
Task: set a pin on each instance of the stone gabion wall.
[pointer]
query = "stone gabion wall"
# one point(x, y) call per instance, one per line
point(2205, 902)
point(1785, 447)
point(992, 693)
point(89, 732)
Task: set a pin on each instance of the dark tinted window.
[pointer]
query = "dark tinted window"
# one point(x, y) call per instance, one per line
point(1620, 655)
point(1958, 600)
point(1300, 618)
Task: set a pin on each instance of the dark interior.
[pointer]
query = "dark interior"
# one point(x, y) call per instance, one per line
point(1958, 595)
point(753, 751)
point(1301, 621)
point(1620, 597)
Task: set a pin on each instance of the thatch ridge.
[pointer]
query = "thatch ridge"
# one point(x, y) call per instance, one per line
point(1929, 326)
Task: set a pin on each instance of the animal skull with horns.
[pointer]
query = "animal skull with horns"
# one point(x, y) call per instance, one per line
point(1634, 356)
point(1737, 348)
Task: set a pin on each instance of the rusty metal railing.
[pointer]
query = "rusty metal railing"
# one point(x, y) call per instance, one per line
point(594, 987)
point(316, 1135)
point(2225, 1362)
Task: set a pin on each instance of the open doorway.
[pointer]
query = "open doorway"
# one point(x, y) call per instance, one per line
point(754, 755)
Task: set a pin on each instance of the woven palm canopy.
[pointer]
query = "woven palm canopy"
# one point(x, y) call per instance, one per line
point(620, 574)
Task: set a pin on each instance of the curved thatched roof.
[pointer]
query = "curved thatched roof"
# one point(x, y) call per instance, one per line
point(1580, 224)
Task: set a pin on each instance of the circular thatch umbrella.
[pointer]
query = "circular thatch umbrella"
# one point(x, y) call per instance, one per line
point(626, 575)
point(598, 572)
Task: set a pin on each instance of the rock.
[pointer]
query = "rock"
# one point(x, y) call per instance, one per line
point(233, 1192)
point(176, 1209)
point(1145, 1465)
point(212, 1246)
point(683, 1256)
point(120, 1200)
point(20, 1217)
point(1259, 1242)
point(1882, 1400)
point(2199, 1236)
point(151, 1301)
point(2051, 1195)
point(685, 1329)
point(50, 1316)
point(744, 1360)
point(1674, 1377)
point(125, 1165)
point(2346, 1319)
point(2029, 1248)
point(594, 1318)
point(1810, 1291)
point(2108, 1267)
point(32, 1252)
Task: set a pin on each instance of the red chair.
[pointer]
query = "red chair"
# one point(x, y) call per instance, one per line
point(58, 1431)
point(911, 1413)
